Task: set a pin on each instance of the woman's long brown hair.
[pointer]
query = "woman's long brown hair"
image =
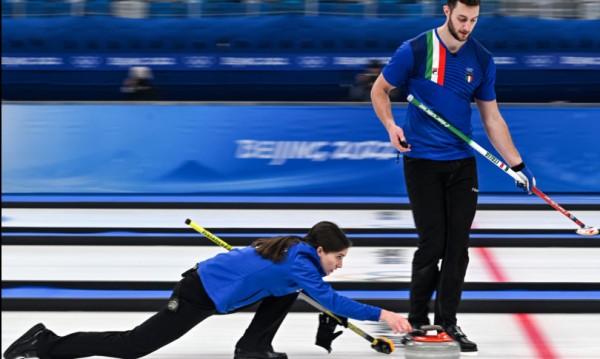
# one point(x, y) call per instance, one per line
point(323, 234)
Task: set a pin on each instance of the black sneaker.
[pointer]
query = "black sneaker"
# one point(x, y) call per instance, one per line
point(466, 346)
point(267, 354)
point(26, 345)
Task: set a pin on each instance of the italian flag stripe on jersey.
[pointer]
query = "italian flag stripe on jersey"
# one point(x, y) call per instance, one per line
point(436, 59)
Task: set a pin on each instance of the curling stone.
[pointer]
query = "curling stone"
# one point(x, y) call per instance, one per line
point(420, 345)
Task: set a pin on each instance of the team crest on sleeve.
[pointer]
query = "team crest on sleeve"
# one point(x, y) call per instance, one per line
point(469, 75)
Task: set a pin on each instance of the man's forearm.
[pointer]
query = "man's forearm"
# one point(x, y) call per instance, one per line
point(383, 107)
point(500, 138)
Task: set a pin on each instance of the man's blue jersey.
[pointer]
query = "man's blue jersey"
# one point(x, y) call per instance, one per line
point(445, 82)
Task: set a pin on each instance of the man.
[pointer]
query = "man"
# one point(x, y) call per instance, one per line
point(138, 85)
point(445, 69)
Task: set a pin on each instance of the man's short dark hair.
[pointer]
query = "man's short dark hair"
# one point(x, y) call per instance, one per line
point(452, 3)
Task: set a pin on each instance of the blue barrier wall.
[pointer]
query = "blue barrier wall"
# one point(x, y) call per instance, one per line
point(288, 58)
point(270, 149)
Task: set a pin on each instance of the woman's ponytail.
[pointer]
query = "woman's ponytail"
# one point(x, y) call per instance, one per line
point(275, 248)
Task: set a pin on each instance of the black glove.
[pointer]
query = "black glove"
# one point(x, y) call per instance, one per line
point(325, 333)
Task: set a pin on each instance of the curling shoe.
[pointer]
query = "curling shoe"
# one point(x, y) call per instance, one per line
point(26, 345)
point(466, 346)
point(267, 354)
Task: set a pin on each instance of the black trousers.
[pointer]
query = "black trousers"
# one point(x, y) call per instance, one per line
point(166, 326)
point(443, 197)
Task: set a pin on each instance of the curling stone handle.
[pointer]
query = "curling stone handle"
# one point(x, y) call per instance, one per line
point(427, 328)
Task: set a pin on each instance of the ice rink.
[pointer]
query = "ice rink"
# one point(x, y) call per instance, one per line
point(499, 335)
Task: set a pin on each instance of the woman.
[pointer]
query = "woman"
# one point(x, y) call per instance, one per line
point(271, 269)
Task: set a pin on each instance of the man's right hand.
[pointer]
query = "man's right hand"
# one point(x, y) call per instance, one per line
point(398, 140)
point(397, 323)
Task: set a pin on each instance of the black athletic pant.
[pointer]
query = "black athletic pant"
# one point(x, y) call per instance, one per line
point(443, 197)
point(267, 320)
point(165, 327)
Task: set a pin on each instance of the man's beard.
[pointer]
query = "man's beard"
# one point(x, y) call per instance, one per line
point(454, 33)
